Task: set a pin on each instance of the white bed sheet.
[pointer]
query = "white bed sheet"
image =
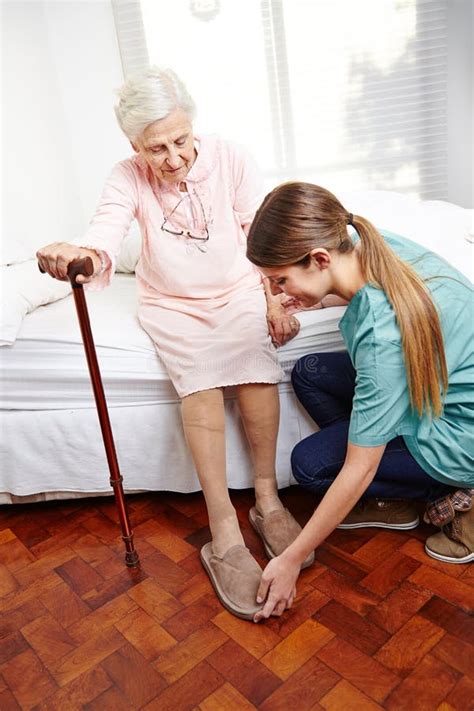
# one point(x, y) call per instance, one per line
point(46, 369)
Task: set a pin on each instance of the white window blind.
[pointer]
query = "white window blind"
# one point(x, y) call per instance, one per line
point(131, 35)
point(350, 95)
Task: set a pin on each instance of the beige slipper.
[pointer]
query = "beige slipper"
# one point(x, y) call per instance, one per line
point(277, 530)
point(235, 578)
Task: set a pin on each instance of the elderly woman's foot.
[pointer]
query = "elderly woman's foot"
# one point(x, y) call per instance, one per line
point(267, 504)
point(225, 535)
point(235, 576)
point(272, 521)
point(277, 529)
point(266, 495)
point(233, 571)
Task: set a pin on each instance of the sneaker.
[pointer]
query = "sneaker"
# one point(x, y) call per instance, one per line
point(400, 515)
point(455, 543)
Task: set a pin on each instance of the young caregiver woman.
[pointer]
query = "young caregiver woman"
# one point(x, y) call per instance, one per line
point(396, 412)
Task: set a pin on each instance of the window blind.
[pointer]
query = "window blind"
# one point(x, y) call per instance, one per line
point(130, 35)
point(347, 95)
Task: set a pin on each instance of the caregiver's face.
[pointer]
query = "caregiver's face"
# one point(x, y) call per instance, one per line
point(167, 145)
point(306, 284)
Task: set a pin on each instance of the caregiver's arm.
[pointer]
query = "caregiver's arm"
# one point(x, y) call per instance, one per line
point(280, 575)
point(327, 302)
point(333, 300)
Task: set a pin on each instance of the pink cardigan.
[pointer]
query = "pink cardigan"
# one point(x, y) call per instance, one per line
point(204, 310)
point(229, 186)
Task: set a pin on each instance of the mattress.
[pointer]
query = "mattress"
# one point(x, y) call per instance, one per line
point(46, 369)
point(51, 442)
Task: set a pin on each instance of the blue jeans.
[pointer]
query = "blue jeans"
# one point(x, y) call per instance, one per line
point(324, 384)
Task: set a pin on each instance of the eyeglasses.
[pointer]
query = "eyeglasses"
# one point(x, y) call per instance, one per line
point(204, 237)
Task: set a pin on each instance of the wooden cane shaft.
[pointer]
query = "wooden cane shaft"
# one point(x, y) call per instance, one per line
point(96, 380)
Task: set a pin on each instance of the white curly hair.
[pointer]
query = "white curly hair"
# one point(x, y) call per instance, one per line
point(149, 96)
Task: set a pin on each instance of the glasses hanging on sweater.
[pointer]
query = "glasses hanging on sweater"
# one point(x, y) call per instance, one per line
point(200, 236)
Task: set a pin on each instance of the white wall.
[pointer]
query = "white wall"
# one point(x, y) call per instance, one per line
point(61, 65)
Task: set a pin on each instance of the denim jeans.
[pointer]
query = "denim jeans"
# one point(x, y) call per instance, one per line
point(324, 383)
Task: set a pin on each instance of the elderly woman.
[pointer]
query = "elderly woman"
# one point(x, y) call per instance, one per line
point(202, 303)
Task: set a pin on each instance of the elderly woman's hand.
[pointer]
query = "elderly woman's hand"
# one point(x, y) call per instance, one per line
point(55, 258)
point(282, 326)
point(277, 587)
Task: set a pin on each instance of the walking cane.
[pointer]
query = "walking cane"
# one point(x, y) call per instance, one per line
point(86, 267)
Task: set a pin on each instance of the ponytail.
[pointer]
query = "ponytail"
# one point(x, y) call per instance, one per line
point(416, 315)
point(297, 217)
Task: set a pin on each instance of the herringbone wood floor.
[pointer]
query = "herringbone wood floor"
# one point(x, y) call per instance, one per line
point(376, 623)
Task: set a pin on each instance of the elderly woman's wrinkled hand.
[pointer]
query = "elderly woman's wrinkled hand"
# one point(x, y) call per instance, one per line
point(282, 326)
point(55, 258)
point(277, 587)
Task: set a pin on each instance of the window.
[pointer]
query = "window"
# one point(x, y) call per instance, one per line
point(350, 95)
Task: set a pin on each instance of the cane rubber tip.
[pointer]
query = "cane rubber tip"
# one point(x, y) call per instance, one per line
point(132, 560)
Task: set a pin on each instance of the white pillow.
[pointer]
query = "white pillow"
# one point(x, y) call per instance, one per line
point(130, 251)
point(23, 289)
point(11, 254)
point(440, 226)
point(14, 253)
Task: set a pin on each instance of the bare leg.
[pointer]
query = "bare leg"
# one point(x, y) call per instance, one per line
point(204, 428)
point(260, 410)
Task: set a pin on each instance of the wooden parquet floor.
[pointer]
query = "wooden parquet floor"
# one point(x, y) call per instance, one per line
point(376, 623)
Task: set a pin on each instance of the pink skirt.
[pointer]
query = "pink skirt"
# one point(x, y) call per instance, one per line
point(208, 344)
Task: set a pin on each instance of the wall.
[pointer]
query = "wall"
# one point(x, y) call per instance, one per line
point(61, 65)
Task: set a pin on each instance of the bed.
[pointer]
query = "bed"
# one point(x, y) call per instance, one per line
point(50, 438)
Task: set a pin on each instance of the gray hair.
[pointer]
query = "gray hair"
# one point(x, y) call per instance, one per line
point(149, 96)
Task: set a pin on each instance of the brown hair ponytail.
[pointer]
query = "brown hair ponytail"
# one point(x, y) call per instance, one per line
point(297, 217)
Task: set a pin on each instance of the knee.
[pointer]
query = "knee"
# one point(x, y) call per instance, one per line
point(315, 462)
point(306, 372)
point(299, 466)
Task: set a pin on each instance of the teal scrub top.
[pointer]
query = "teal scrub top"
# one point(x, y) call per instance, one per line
point(381, 410)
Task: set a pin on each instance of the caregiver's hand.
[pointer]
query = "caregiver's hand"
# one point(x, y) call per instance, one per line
point(282, 326)
point(278, 587)
point(55, 258)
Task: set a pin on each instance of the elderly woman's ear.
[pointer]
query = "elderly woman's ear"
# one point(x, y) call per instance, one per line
point(134, 146)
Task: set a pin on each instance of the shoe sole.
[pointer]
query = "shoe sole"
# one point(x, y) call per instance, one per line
point(447, 558)
point(205, 553)
point(270, 554)
point(378, 524)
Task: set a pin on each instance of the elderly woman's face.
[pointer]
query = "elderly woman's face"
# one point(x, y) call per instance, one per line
point(167, 146)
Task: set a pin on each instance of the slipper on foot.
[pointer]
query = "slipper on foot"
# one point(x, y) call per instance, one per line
point(235, 577)
point(277, 530)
